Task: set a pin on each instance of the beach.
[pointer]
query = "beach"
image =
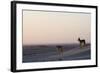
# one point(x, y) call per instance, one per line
point(45, 53)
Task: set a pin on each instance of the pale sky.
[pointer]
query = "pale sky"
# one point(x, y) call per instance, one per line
point(41, 28)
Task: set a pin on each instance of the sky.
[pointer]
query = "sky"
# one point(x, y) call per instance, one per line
point(47, 27)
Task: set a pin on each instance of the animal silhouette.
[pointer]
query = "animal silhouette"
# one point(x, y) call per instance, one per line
point(60, 51)
point(82, 42)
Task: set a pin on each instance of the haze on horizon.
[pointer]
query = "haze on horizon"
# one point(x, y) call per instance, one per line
point(41, 28)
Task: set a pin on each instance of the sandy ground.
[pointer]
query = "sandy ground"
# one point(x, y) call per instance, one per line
point(48, 54)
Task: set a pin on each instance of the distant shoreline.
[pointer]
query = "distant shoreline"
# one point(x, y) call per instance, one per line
point(55, 44)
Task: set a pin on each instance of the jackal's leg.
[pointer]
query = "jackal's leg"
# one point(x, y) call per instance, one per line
point(81, 45)
point(60, 51)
